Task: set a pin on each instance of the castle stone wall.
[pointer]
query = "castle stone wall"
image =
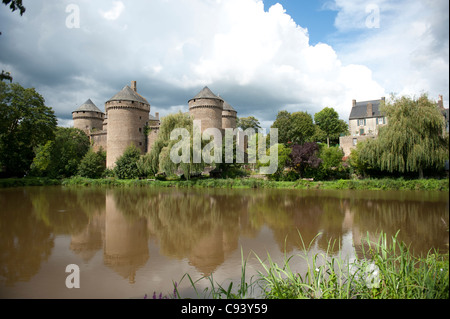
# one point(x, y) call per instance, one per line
point(126, 122)
point(229, 119)
point(152, 136)
point(209, 111)
point(88, 121)
point(347, 143)
point(98, 140)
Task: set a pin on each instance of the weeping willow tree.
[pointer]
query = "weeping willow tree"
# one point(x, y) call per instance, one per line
point(159, 156)
point(412, 141)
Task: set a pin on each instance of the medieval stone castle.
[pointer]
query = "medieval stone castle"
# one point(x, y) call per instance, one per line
point(127, 120)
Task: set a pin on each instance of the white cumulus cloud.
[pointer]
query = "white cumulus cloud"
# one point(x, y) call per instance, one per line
point(259, 60)
point(115, 12)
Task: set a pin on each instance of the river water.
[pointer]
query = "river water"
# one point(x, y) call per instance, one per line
point(129, 242)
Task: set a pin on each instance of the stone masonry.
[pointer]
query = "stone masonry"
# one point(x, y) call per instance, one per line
point(128, 119)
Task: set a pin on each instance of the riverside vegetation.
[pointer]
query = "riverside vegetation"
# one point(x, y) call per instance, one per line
point(32, 145)
point(387, 269)
point(364, 184)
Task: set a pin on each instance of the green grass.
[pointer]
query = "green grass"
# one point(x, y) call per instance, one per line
point(367, 184)
point(387, 270)
point(238, 183)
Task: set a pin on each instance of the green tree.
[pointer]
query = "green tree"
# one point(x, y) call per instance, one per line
point(284, 159)
point(412, 141)
point(305, 157)
point(60, 157)
point(302, 127)
point(126, 165)
point(328, 121)
point(332, 165)
point(248, 122)
point(359, 163)
point(15, 5)
point(26, 122)
point(297, 127)
point(160, 152)
point(144, 166)
point(93, 164)
point(283, 124)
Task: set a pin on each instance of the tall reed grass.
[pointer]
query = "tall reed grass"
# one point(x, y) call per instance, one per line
point(387, 269)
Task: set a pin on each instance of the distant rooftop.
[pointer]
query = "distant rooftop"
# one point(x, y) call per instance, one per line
point(128, 94)
point(206, 93)
point(88, 106)
point(228, 107)
point(359, 110)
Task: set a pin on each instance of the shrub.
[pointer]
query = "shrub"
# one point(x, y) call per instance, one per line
point(126, 165)
point(93, 164)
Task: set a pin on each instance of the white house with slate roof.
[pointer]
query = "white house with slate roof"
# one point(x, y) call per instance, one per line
point(366, 119)
point(364, 122)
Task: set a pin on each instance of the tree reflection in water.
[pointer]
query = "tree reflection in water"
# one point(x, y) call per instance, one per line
point(204, 227)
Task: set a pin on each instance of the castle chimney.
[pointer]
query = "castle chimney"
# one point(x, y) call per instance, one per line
point(353, 103)
point(133, 86)
point(157, 115)
point(383, 99)
point(369, 110)
point(441, 102)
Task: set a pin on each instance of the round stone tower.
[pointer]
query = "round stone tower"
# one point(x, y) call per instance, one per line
point(207, 107)
point(88, 117)
point(229, 116)
point(128, 114)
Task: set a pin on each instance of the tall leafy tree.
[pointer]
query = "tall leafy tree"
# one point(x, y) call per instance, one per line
point(93, 164)
point(297, 127)
point(248, 122)
point(15, 5)
point(305, 156)
point(126, 165)
point(26, 122)
point(159, 156)
point(283, 124)
point(302, 127)
point(413, 139)
point(61, 157)
point(328, 121)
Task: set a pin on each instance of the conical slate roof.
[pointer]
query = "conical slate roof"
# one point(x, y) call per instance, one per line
point(128, 94)
point(228, 107)
point(206, 93)
point(88, 106)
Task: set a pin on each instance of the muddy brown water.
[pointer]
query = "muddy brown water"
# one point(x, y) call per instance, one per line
point(128, 242)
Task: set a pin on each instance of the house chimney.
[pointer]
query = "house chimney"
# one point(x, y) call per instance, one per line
point(133, 86)
point(369, 110)
point(441, 102)
point(353, 103)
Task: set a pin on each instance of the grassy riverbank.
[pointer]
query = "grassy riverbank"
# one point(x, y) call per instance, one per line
point(369, 184)
point(386, 269)
point(365, 184)
point(28, 181)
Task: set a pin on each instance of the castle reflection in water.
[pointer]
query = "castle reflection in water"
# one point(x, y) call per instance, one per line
point(203, 226)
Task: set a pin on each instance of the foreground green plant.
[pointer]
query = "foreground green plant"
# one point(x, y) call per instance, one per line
point(386, 270)
point(217, 291)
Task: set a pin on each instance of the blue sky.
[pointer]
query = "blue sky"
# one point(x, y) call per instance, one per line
point(311, 14)
point(257, 55)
